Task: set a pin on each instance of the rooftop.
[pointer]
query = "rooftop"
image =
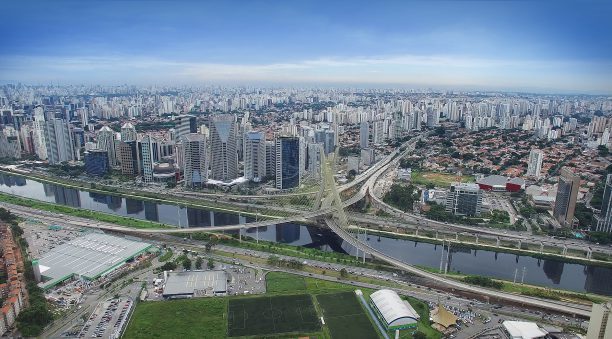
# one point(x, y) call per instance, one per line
point(194, 283)
point(90, 256)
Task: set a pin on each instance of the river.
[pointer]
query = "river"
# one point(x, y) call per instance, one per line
point(549, 273)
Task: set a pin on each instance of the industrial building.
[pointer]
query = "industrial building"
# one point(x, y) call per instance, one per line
point(395, 313)
point(191, 284)
point(90, 257)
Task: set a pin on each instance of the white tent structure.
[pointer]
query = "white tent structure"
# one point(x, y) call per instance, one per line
point(393, 311)
point(524, 330)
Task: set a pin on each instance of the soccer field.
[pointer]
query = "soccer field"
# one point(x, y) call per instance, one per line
point(345, 317)
point(272, 315)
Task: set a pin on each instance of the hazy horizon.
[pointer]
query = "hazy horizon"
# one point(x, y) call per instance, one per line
point(534, 47)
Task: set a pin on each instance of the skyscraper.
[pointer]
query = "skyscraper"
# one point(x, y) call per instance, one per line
point(128, 132)
point(315, 160)
point(567, 193)
point(196, 167)
point(106, 141)
point(271, 158)
point(58, 140)
point(287, 162)
point(464, 199)
point(327, 137)
point(224, 158)
point(149, 155)
point(184, 124)
point(96, 162)
point(255, 156)
point(604, 220)
point(534, 168)
point(364, 134)
point(128, 157)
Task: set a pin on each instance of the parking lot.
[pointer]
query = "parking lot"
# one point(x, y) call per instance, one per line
point(108, 319)
point(42, 238)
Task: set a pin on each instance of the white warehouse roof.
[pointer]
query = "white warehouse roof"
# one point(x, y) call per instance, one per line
point(524, 330)
point(395, 310)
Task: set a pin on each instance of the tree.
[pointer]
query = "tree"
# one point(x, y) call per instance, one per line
point(210, 264)
point(168, 266)
point(198, 263)
point(343, 273)
point(209, 245)
point(602, 150)
point(187, 263)
point(273, 260)
point(419, 335)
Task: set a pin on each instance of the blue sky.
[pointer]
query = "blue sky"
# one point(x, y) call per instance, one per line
point(545, 46)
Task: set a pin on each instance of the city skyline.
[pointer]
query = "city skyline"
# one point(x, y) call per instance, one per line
point(524, 46)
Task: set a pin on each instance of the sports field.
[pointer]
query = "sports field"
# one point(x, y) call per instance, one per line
point(439, 179)
point(187, 318)
point(271, 315)
point(345, 317)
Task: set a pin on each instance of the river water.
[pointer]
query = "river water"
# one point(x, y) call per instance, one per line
point(549, 273)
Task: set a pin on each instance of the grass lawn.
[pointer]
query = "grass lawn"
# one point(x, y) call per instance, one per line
point(284, 283)
point(190, 318)
point(439, 179)
point(271, 315)
point(345, 317)
point(423, 324)
point(80, 212)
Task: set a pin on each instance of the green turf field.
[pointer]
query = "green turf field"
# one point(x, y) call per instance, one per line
point(270, 315)
point(191, 318)
point(345, 317)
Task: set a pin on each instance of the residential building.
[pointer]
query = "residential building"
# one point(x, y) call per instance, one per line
point(224, 158)
point(254, 156)
point(196, 168)
point(96, 162)
point(287, 162)
point(567, 193)
point(58, 140)
point(464, 199)
point(534, 168)
point(364, 135)
point(604, 220)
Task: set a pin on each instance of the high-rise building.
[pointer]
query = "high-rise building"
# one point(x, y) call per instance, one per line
point(96, 162)
point(184, 124)
point(464, 199)
point(196, 167)
point(128, 157)
point(379, 132)
point(224, 158)
point(315, 160)
point(600, 323)
point(364, 134)
point(534, 168)
point(287, 162)
point(254, 156)
point(106, 141)
point(327, 137)
point(40, 145)
point(128, 132)
point(271, 158)
point(567, 193)
point(149, 155)
point(604, 220)
point(58, 140)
